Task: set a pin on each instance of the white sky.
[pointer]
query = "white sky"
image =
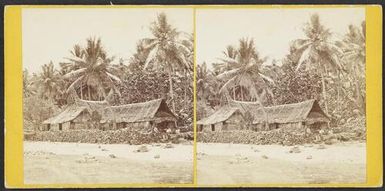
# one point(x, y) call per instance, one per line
point(272, 29)
point(49, 34)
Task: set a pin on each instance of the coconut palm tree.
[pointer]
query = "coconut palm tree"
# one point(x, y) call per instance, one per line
point(243, 70)
point(354, 55)
point(28, 90)
point(91, 70)
point(317, 52)
point(48, 82)
point(204, 79)
point(168, 51)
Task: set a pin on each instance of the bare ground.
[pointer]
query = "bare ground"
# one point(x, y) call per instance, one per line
point(73, 163)
point(252, 164)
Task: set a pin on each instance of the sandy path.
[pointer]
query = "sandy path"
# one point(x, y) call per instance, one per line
point(47, 163)
point(237, 163)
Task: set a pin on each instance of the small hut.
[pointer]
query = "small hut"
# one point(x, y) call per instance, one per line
point(231, 116)
point(146, 115)
point(75, 116)
point(306, 114)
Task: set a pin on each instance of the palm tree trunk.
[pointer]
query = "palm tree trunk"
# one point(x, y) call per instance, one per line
point(81, 90)
point(359, 99)
point(171, 89)
point(241, 93)
point(324, 92)
point(234, 93)
point(89, 94)
point(324, 88)
point(185, 89)
point(264, 112)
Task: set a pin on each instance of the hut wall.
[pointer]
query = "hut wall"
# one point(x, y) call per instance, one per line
point(317, 126)
point(206, 128)
point(66, 126)
point(82, 121)
point(234, 122)
point(262, 127)
point(139, 126)
point(54, 127)
point(296, 126)
point(80, 125)
point(217, 127)
point(257, 127)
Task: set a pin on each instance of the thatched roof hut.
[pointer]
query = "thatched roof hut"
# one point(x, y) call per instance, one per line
point(228, 110)
point(74, 110)
point(309, 111)
point(222, 114)
point(154, 110)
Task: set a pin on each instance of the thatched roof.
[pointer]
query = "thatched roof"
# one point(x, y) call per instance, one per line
point(69, 114)
point(226, 111)
point(74, 110)
point(222, 114)
point(291, 113)
point(288, 113)
point(136, 112)
point(98, 106)
point(245, 106)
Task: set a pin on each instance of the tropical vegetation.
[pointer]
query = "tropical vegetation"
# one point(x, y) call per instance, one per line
point(161, 67)
point(321, 66)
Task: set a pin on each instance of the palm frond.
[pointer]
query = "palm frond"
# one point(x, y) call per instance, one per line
point(228, 74)
point(75, 73)
point(151, 56)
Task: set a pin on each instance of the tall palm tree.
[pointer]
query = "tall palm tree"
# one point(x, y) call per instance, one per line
point(243, 70)
point(48, 82)
point(91, 70)
point(317, 52)
point(168, 51)
point(204, 82)
point(27, 85)
point(354, 55)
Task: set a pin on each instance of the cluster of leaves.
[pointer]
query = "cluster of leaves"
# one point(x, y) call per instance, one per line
point(295, 86)
point(317, 67)
point(36, 110)
point(161, 68)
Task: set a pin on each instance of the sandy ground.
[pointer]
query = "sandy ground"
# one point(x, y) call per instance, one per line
point(252, 164)
point(73, 163)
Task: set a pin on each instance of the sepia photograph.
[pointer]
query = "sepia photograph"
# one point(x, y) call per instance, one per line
point(281, 96)
point(108, 95)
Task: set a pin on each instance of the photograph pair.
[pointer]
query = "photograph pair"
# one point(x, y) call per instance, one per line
point(194, 96)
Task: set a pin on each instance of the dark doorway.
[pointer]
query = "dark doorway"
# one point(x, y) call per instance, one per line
point(60, 127)
point(212, 127)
